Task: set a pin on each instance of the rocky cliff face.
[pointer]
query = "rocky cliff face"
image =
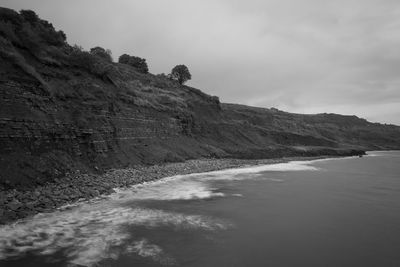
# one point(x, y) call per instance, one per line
point(330, 130)
point(59, 116)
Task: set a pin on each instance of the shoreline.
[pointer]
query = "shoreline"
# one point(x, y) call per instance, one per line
point(83, 187)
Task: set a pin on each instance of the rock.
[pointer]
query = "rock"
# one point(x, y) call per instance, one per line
point(30, 205)
point(9, 215)
point(14, 205)
point(91, 192)
point(47, 203)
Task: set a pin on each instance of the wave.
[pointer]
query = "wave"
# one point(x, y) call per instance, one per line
point(147, 250)
point(195, 186)
point(91, 233)
point(252, 172)
point(381, 153)
point(287, 166)
point(144, 248)
point(178, 188)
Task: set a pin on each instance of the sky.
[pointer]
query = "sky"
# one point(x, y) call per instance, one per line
point(303, 56)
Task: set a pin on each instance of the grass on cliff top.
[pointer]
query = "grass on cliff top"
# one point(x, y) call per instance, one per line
point(42, 53)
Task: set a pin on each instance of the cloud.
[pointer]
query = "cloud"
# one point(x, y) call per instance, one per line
point(310, 55)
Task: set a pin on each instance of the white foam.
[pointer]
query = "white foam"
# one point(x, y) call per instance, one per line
point(252, 172)
point(91, 233)
point(375, 153)
point(196, 186)
point(145, 249)
point(179, 188)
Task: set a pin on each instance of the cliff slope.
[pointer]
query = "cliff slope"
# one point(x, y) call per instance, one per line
point(63, 109)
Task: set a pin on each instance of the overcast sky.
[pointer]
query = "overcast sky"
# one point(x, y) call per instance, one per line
point(305, 56)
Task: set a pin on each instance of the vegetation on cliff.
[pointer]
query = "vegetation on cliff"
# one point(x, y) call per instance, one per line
point(138, 63)
point(65, 109)
point(181, 74)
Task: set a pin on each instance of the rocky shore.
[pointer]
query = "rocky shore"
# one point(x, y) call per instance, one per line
point(79, 187)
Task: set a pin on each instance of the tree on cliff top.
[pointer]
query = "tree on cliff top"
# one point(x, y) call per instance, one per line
point(138, 63)
point(181, 74)
point(102, 53)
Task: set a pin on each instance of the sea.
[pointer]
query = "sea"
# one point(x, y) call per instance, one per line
point(332, 212)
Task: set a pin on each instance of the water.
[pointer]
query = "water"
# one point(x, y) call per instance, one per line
point(337, 212)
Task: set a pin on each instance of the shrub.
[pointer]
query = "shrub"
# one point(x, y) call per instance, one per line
point(124, 59)
point(80, 58)
point(29, 39)
point(101, 53)
point(62, 35)
point(60, 55)
point(162, 76)
point(30, 16)
point(7, 30)
point(138, 63)
point(49, 34)
point(215, 99)
point(28, 30)
point(44, 29)
point(7, 51)
point(53, 37)
point(181, 74)
point(90, 62)
point(9, 15)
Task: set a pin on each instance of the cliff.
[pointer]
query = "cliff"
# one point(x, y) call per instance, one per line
point(62, 110)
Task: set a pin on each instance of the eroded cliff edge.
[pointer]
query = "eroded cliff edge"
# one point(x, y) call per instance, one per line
point(62, 111)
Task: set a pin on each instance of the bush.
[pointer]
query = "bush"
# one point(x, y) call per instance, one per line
point(80, 58)
point(101, 53)
point(90, 62)
point(9, 15)
point(215, 99)
point(181, 74)
point(28, 30)
point(29, 39)
point(30, 16)
point(7, 30)
point(7, 51)
point(138, 63)
point(49, 34)
point(53, 37)
point(124, 59)
point(101, 70)
point(44, 29)
point(162, 76)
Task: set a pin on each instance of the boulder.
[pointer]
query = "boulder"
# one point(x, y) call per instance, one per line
point(14, 205)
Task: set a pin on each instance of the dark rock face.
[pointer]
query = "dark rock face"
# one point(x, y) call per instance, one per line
point(57, 117)
point(43, 137)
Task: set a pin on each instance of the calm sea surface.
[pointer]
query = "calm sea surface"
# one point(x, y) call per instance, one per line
point(337, 212)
